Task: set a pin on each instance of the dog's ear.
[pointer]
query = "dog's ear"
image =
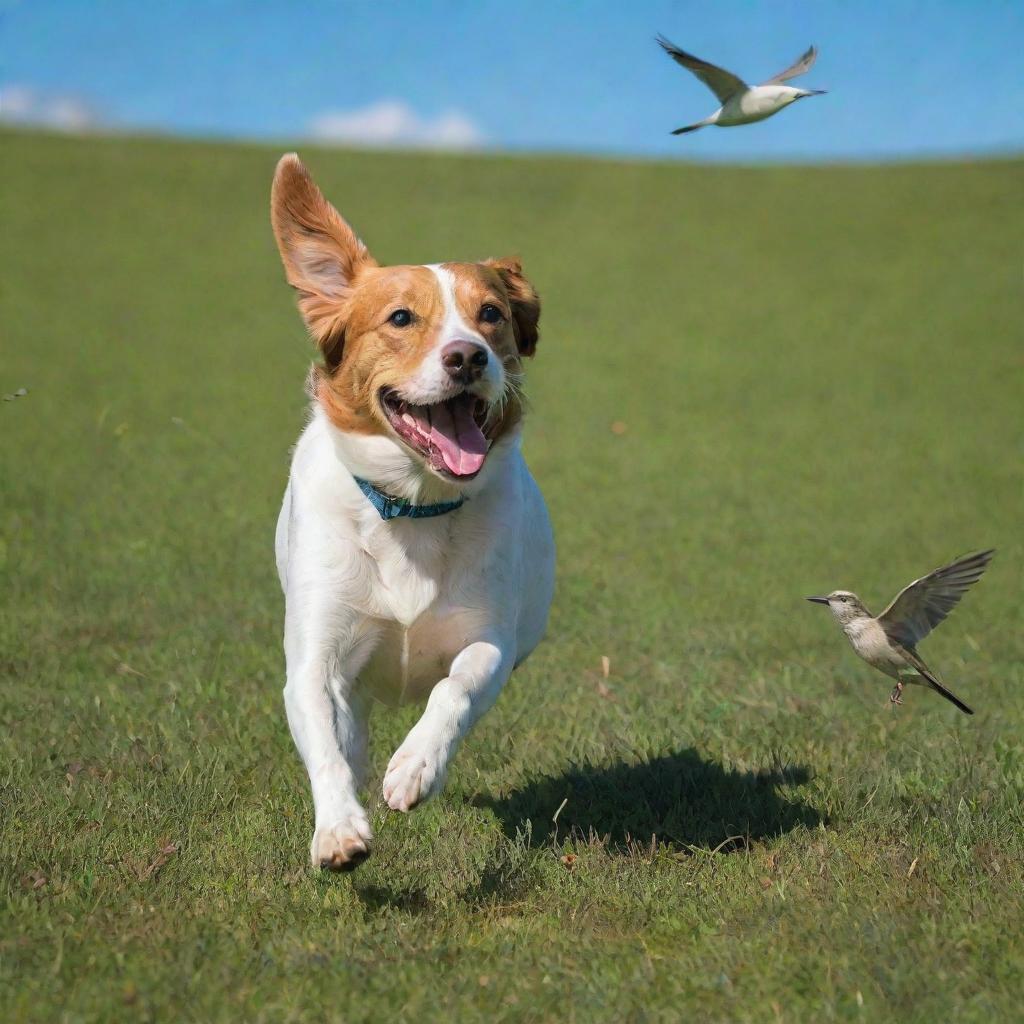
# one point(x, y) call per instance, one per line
point(523, 299)
point(320, 252)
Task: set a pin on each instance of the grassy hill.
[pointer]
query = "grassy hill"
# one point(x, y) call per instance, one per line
point(814, 377)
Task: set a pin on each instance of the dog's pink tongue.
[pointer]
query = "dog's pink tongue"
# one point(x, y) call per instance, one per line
point(460, 441)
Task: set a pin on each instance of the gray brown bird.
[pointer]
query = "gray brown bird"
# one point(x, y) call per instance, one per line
point(889, 641)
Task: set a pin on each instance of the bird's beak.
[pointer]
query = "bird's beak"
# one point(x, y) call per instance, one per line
point(818, 600)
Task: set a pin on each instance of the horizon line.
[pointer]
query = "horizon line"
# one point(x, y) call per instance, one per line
point(1010, 151)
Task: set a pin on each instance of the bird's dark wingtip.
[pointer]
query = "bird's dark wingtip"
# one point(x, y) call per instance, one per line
point(985, 554)
point(675, 52)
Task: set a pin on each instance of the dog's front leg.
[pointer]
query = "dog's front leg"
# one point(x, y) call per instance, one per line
point(327, 715)
point(418, 768)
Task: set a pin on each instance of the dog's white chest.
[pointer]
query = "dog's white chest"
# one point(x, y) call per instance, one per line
point(406, 592)
point(420, 628)
point(411, 569)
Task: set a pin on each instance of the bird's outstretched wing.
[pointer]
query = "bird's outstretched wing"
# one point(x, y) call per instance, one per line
point(721, 82)
point(918, 608)
point(802, 66)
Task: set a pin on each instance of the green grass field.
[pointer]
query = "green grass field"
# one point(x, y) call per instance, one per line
point(815, 377)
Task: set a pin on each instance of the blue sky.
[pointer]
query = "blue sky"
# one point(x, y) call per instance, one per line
point(905, 78)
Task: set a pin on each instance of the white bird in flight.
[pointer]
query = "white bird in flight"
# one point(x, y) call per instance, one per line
point(742, 103)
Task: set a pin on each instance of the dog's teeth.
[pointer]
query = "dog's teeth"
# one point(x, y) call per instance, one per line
point(410, 420)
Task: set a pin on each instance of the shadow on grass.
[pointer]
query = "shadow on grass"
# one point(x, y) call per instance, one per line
point(681, 798)
point(377, 898)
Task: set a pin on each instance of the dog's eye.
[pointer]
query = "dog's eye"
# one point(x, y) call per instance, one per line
point(400, 318)
point(491, 314)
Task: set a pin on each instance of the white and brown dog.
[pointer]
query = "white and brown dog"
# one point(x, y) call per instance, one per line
point(413, 545)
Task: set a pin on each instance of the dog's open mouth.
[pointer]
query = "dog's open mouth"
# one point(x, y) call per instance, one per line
point(449, 435)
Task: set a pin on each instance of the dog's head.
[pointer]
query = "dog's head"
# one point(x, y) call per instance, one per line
point(427, 356)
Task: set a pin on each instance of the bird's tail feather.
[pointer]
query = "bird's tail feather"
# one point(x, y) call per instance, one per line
point(689, 128)
point(926, 673)
point(948, 694)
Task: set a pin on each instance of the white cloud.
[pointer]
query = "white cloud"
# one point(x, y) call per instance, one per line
point(394, 123)
point(64, 112)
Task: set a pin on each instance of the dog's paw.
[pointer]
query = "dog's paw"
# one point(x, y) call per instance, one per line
point(343, 845)
point(414, 774)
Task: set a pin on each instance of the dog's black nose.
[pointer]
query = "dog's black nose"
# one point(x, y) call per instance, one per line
point(464, 361)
